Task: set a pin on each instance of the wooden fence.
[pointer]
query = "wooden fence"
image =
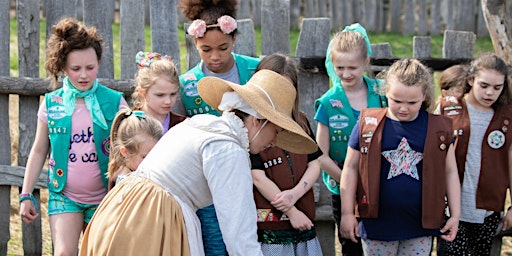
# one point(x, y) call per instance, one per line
point(310, 53)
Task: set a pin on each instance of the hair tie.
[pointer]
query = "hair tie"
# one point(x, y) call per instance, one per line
point(144, 59)
point(226, 23)
point(358, 28)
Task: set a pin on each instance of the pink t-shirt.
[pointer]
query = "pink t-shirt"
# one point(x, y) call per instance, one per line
point(84, 183)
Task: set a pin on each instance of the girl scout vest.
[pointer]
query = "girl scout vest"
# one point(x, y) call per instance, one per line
point(493, 181)
point(433, 178)
point(59, 132)
point(192, 102)
point(341, 122)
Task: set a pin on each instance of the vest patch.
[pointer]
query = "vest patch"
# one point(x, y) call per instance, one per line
point(273, 162)
point(338, 121)
point(56, 112)
point(191, 89)
point(496, 139)
point(60, 130)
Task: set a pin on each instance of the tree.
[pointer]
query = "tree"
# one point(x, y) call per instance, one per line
point(498, 25)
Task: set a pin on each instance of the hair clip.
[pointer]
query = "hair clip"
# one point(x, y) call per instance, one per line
point(137, 113)
point(226, 23)
point(144, 59)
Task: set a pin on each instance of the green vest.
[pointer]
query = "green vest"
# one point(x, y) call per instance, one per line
point(192, 102)
point(59, 132)
point(341, 122)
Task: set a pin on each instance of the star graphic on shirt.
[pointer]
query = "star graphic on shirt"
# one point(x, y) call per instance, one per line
point(403, 160)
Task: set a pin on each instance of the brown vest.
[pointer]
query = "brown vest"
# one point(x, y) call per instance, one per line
point(175, 119)
point(280, 172)
point(494, 178)
point(433, 178)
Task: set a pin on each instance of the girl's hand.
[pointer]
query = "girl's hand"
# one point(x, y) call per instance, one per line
point(349, 227)
point(450, 229)
point(28, 211)
point(284, 200)
point(507, 220)
point(299, 220)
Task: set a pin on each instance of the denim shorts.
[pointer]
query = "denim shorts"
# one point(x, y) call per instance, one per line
point(59, 203)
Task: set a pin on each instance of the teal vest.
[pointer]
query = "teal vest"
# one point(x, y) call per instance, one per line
point(192, 102)
point(59, 132)
point(341, 122)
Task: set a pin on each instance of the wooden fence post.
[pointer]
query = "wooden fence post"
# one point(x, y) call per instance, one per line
point(164, 28)
point(132, 35)
point(421, 46)
point(458, 44)
point(313, 41)
point(275, 26)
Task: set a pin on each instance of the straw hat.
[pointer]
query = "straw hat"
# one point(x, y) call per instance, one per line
point(272, 96)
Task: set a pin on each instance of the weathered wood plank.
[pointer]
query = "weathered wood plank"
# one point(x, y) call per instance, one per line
point(421, 47)
point(132, 35)
point(275, 26)
point(458, 44)
point(13, 176)
point(164, 28)
point(5, 214)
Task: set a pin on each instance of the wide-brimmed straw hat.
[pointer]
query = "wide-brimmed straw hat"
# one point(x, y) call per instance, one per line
point(272, 96)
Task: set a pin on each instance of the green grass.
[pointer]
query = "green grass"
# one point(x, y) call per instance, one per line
point(401, 46)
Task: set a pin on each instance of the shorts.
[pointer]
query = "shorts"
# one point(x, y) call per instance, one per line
point(59, 203)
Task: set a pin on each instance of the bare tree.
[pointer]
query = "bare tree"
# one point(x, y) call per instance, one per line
point(498, 25)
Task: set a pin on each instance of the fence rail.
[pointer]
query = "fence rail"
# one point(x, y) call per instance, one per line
point(310, 53)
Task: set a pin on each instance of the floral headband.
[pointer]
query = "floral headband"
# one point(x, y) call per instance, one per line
point(144, 59)
point(198, 27)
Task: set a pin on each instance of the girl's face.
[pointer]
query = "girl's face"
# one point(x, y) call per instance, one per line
point(486, 88)
point(161, 98)
point(133, 159)
point(404, 102)
point(262, 134)
point(82, 68)
point(215, 50)
point(349, 67)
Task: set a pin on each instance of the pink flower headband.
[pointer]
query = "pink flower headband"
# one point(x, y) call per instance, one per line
point(144, 59)
point(198, 27)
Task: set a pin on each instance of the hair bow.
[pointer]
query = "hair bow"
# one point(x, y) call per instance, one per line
point(144, 59)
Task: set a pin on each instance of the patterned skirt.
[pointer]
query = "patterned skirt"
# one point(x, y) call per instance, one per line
point(137, 217)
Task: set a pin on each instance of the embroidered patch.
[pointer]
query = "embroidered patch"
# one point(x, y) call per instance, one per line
point(496, 139)
point(51, 162)
point(57, 99)
point(59, 172)
point(55, 184)
point(198, 100)
point(56, 112)
point(189, 76)
point(451, 99)
point(338, 121)
point(370, 120)
point(105, 146)
point(266, 215)
point(336, 103)
point(191, 89)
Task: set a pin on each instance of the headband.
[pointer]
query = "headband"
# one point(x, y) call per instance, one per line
point(144, 59)
point(198, 27)
point(358, 28)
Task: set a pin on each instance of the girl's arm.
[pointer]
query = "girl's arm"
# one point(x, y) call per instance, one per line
point(270, 190)
point(507, 219)
point(35, 163)
point(284, 200)
point(453, 193)
point(326, 162)
point(348, 186)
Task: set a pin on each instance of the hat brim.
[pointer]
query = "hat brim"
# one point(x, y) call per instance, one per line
point(293, 138)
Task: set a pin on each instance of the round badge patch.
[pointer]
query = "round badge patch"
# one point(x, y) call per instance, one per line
point(496, 139)
point(105, 146)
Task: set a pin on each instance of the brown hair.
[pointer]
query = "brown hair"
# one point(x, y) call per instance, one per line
point(454, 76)
point(493, 62)
point(68, 35)
point(147, 77)
point(349, 41)
point(411, 72)
point(286, 66)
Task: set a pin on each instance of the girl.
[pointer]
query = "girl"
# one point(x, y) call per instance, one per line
point(400, 165)
point(452, 83)
point(338, 109)
point(132, 136)
point(73, 126)
point(483, 149)
point(213, 29)
point(283, 185)
point(204, 159)
point(157, 88)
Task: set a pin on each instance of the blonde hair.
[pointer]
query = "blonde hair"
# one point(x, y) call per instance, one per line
point(349, 41)
point(148, 75)
point(411, 72)
point(130, 129)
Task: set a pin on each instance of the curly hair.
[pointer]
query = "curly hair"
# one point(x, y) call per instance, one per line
point(208, 10)
point(68, 35)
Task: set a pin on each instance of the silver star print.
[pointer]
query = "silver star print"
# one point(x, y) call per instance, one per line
point(403, 160)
